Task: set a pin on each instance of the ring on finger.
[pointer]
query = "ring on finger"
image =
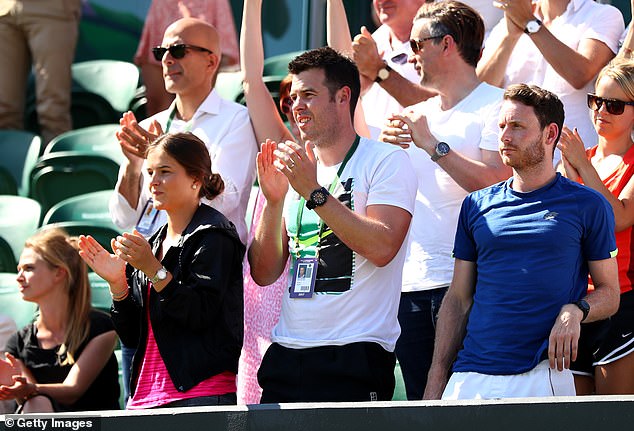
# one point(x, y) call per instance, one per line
point(291, 164)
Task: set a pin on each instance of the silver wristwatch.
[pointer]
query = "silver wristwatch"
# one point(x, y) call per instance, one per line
point(533, 26)
point(441, 150)
point(160, 275)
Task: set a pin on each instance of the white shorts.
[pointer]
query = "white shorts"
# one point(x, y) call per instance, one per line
point(541, 381)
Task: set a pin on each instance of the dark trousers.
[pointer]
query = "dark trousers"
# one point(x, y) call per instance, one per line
point(353, 372)
point(417, 315)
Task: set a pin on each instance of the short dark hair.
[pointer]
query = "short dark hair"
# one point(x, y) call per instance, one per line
point(340, 71)
point(546, 105)
point(458, 20)
point(192, 154)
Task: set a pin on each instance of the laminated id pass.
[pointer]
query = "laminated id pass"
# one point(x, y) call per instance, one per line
point(146, 225)
point(303, 284)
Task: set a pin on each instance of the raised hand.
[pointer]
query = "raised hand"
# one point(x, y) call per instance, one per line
point(273, 183)
point(134, 249)
point(299, 165)
point(134, 139)
point(108, 266)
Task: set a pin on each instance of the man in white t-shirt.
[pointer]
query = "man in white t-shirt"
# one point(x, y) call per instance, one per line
point(345, 220)
point(190, 56)
point(559, 45)
point(455, 152)
point(388, 81)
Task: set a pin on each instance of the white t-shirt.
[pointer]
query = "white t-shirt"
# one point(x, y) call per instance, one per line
point(359, 302)
point(583, 19)
point(468, 128)
point(377, 103)
point(489, 13)
point(225, 128)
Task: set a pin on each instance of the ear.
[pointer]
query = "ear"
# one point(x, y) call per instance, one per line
point(552, 131)
point(344, 94)
point(60, 273)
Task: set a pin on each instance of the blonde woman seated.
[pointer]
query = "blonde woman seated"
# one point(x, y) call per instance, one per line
point(63, 360)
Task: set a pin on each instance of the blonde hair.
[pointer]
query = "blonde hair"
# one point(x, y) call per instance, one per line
point(620, 70)
point(59, 250)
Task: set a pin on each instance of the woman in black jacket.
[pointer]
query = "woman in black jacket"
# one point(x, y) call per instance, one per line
point(178, 296)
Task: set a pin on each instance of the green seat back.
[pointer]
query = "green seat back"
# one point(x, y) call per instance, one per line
point(278, 64)
point(100, 139)
point(99, 293)
point(7, 257)
point(19, 151)
point(229, 85)
point(64, 174)
point(103, 233)
point(11, 302)
point(19, 219)
point(115, 81)
point(88, 208)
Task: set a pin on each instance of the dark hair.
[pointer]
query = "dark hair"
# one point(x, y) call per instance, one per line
point(546, 105)
point(339, 70)
point(458, 20)
point(192, 154)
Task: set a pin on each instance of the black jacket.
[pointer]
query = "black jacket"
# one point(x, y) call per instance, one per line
point(198, 317)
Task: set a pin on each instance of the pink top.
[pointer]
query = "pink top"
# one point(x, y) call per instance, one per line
point(262, 306)
point(162, 13)
point(155, 387)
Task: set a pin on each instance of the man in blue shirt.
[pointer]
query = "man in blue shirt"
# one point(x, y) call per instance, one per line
point(510, 322)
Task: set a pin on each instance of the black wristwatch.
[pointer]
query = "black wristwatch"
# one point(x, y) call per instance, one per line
point(441, 150)
point(318, 197)
point(584, 307)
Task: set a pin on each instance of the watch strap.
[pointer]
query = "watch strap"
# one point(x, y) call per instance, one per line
point(385, 68)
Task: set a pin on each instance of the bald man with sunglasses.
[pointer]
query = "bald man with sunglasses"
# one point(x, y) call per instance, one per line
point(190, 56)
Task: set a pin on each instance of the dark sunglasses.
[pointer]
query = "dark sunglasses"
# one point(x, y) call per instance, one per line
point(286, 105)
point(613, 106)
point(417, 44)
point(177, 51)
point(399, 58)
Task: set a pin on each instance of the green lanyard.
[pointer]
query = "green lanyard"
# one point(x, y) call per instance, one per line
point(316, 239)
point(187, 127)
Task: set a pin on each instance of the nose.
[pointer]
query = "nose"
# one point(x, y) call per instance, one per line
point(19, 276)
point(504, 135)
point(154, 179)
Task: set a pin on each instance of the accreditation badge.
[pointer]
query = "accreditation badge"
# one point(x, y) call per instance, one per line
point(303, 284)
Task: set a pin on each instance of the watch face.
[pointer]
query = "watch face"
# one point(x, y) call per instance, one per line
point(383, 74)
point(442, 149)
point(161, 274)
point(319, 198)
point(533, 26)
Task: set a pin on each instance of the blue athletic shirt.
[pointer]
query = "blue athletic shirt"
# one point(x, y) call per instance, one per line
point(531, 251)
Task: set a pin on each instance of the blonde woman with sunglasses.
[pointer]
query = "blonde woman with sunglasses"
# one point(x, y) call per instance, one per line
point(608, 169)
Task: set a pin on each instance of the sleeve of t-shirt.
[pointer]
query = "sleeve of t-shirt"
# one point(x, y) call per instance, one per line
point(606, 26)
point(598, 241)
point(394, 182)
point(100, 323)
point(14, 345)
point(464, 244)
point(491, 128)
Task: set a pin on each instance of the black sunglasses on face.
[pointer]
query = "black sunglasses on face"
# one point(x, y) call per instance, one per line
point(417, 44)
point(613, 106)
point(177, 51)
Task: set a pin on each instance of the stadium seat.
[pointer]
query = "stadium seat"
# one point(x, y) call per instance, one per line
point(102, 90)
point(89, 207)
point(11, 302)
point(100, 139)
point(99, 293)
point(19, 218)
point(229, 86)
point(102, 233)
point(8, 185)
point(64, 174)
point(115, 81)
point(278, 64)
point(19, 151)
point(85, 214)
point(7, 257)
